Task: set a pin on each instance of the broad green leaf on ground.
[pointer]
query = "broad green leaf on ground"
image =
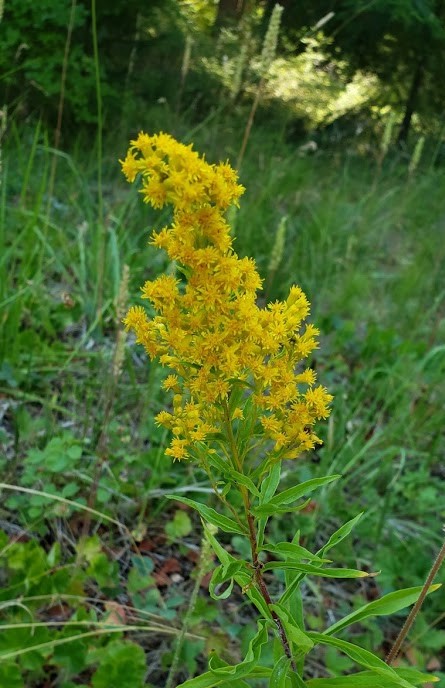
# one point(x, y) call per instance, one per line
point(389, 604)
point(226, 524)
point(11, 676)
point(123, 664)
point(180, 526)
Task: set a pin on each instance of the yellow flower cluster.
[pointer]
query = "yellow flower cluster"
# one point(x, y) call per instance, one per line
point(208, 329)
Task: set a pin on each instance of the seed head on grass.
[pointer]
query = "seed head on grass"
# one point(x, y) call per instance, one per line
point(231, 361)
point(270, 40)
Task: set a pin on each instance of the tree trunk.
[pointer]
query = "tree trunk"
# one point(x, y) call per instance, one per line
point(229, 12)
point(411, 103)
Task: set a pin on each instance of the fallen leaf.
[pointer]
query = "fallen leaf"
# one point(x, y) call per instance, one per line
point(116, 613)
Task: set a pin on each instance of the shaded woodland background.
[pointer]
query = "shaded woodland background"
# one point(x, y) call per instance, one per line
point(341, 65)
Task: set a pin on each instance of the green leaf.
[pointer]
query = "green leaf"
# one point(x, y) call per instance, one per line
point(303, 644)
point(243, 579)
point(292, 549)
point(11, 676)
point(226, 524)
point(279, 673)
point(292, 494)
point(415, 677)
point(137, 581)
point(224, 573)
point(219, 675)
point(233, 475)
point(270, 484)
point(389, 604)
point(297, 681)
point(341, 533)
point(273, 510)
point(122, 664)
point(180, 526)
point(335, 538)
point(368, 679)
point(209, 680)
point(315, 570)
point(362, 657)
point(246, 429)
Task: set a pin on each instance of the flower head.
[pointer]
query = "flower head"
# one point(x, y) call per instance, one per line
point(231, 362)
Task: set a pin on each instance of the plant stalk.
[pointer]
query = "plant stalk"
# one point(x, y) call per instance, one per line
point(257, 565)
point(415, 610)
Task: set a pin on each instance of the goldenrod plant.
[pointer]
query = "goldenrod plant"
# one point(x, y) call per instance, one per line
point(243, 400)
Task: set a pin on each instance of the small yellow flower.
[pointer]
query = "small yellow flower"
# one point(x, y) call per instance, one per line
point(178, 449)
point(170, 382)
point(164, 418)
point(130, 167)
point(238, 414)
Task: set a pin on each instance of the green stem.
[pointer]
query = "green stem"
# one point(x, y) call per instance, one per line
point(222, 499)
point(257, 565)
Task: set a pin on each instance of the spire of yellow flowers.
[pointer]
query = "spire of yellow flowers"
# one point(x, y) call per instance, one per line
point(231, 361)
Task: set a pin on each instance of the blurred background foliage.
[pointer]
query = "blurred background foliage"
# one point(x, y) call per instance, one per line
point(340, 63)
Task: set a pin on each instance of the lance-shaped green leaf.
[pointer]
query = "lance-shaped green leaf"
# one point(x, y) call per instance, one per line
point(226, 524)
point(279, 673)
point(224, 573)
point(273, 510)
point(246, 430)
point(294, 605)
point(368, 679)
point(283, 499)
point(341, 533)
point(270, 483)
point(297, 681)
point(388, 604)
point(293, 551)
point(316, 570)
point(227, 674)
point(243, 579)
point(231, 474)
point(335, 538)
point(302, 643)
point(365, 679)
point(363, 658)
